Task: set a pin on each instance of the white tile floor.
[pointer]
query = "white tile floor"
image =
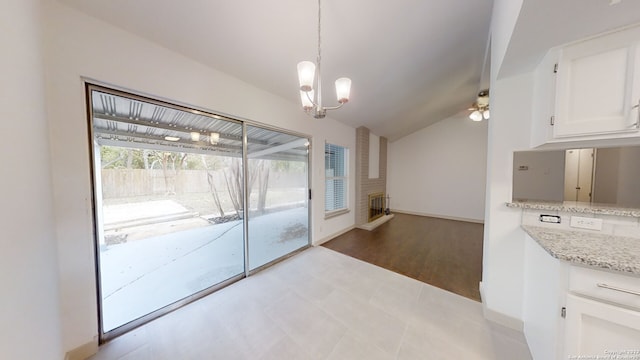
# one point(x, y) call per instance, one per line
point(321, 304)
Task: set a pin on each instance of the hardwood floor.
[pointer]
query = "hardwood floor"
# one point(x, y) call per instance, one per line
point(444, 253)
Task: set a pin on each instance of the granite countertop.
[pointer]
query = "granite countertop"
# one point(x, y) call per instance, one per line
point(610, 252)
point(576, 207)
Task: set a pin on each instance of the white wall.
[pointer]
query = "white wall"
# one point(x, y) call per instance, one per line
point(440, 170)
point(543, 178)
point(503, 21)
point(29, 308)
point(616, 176)
point(628, 177)
point(503, 251)
point(605, 184)
point(509, 131)
point(78, 45)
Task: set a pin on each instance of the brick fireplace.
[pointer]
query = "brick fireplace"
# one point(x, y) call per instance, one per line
point(366, 185)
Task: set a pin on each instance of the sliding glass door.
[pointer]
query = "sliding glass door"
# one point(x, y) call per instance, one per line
point(166, 227)
point(186, 202)
point(277, 176)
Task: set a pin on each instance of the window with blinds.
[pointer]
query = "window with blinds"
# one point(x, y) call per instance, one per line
point(335, 167)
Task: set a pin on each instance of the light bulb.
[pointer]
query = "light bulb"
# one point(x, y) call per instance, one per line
point(306, 97)
point(195, 136)
point(475, 116)
point(343, 88)
point(306, 75)
point(486, 114)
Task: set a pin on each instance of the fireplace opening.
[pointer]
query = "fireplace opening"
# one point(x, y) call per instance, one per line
point(376, 206)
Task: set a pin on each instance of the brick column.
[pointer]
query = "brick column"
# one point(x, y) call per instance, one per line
point(364, 185)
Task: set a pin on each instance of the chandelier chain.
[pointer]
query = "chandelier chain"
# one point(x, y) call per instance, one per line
point(319, 107)
point(319, 29)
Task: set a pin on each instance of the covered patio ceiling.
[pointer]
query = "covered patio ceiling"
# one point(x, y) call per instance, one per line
point(136, 122)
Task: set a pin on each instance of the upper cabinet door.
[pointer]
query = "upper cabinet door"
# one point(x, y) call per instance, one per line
point(598, 85)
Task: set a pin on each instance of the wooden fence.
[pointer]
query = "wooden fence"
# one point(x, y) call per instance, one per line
point(118, 183)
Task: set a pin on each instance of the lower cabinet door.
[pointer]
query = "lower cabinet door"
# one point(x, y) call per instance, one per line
point(600, 330)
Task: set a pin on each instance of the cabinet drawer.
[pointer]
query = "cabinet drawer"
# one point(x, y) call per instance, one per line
point(612, 287)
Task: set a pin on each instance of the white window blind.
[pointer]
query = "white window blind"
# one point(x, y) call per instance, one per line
point(335, 165)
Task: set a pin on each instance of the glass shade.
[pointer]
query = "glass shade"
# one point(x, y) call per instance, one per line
point(486, 114)
point(171, 138)
point(214, 138)
point(305, 97)
point(306, 75)
point(476, 116)
point(195, 136)
point(343, 88)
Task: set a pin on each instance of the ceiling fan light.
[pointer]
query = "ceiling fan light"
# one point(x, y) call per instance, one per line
point(305, 98)
point(343, 89)
point(306, 75)
point(486, 114)
point(476, 116)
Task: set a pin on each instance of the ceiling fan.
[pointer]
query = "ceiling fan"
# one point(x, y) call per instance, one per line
point(480, 108)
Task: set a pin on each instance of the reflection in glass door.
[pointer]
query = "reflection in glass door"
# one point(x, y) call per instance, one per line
point(277, 179)
point(168, 194)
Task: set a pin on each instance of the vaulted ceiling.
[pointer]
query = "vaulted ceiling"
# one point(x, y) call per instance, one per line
point(412, 62)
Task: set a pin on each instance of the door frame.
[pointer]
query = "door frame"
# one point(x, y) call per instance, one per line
point(91, 84)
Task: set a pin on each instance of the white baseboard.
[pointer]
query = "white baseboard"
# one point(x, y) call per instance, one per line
point(502, 319)
point(83, 352)
point(498, 317)
point(477, 221)
point(330, 237)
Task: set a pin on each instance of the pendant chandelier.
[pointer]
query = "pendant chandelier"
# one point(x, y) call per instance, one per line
point(312, 98)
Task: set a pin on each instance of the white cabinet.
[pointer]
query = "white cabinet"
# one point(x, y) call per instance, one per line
point(596, 329)
point(545, 289)
point(598, 86)
point(544, 85)
point(601, 309)
point(603, 314)
point(589, 90)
